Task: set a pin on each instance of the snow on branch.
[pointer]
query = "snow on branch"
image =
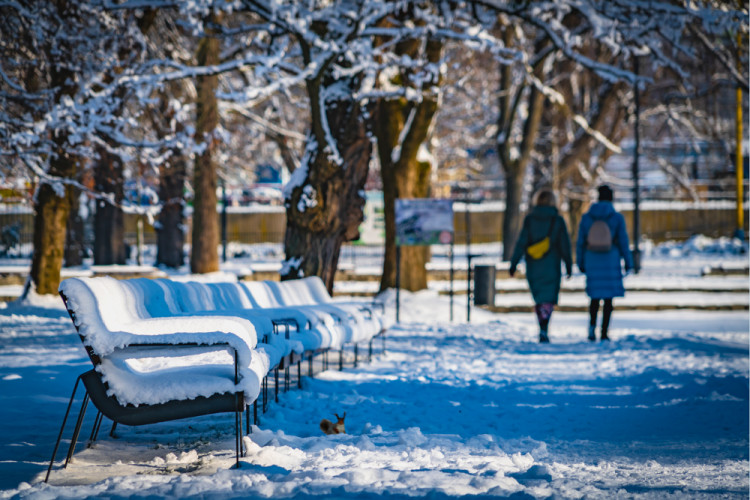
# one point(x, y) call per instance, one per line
point(331, 148)
point(625, 27)
point(396, 153)
point(18, 88)
point(242, 110)
point(182, 71)
point(557, 99)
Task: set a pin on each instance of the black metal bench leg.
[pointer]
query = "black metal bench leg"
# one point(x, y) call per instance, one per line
point(299, 374)
point(341, 359)
point(62, 428)
point(276, 385)
point(356, 354)
point(238, 437)
point(77, 430)
point(265, 393)
point(112, 430)
point(95, 429)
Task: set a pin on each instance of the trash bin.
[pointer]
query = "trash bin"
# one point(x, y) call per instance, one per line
point(484, 285)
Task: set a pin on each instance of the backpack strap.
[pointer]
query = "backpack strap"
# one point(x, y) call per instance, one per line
point(552, 225)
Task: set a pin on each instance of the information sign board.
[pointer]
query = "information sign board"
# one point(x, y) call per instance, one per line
point(423, 221)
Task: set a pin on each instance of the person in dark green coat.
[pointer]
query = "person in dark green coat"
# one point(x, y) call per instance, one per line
point(543, 259)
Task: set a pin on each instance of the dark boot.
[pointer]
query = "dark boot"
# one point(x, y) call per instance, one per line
point(592, 333)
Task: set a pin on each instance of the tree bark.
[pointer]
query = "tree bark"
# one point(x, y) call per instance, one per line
point(514, 175)
point(204, 257)
point(109, 220)
point(575, 212)
point(170, 229)
point(75, 248)
point(325, 208)
point(51, 215)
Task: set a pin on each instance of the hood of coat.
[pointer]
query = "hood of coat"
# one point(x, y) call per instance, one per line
point(601, 209)
point(544, 211)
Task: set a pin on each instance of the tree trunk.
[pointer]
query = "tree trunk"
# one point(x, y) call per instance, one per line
point(204, 257)
point(109, 220)
point(325, 207)
point(575, 212)
point(170, 227)
point(51, 216)
point(404, 176)
point(515, 153)
point(514, 174)
point(75, 248)
point(405, 179)
point(52, 205)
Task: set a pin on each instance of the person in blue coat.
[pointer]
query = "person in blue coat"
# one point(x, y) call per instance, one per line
point(603, 269)
point(544, 273)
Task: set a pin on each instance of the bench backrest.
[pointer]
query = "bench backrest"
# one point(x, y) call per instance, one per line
point(92, 315)
point(228, 296)
point(292, 292)
point(163, 297)
point(154, 295)
point(107, 312)
point(260, 294)
point(316, 289)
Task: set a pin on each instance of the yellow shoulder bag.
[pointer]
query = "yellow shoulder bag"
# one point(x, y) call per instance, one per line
point(539, 249)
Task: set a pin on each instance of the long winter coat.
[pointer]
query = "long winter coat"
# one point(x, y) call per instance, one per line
point(544, 274)
point(603, 269)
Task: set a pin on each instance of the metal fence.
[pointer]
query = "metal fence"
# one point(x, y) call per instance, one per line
point(16, 231)
point(259, 236)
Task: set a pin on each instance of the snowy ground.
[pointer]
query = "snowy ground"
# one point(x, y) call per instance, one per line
point(452, 409)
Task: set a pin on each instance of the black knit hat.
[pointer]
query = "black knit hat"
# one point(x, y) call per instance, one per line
point(605, 193)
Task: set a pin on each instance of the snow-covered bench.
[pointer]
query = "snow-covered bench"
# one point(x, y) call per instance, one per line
point(150, 369)
point(164, 349)
point(363, 320)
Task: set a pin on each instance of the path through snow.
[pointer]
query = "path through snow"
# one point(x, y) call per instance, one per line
point(450, 410)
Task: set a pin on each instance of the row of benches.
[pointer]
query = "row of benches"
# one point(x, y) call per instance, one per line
point(165, 350)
